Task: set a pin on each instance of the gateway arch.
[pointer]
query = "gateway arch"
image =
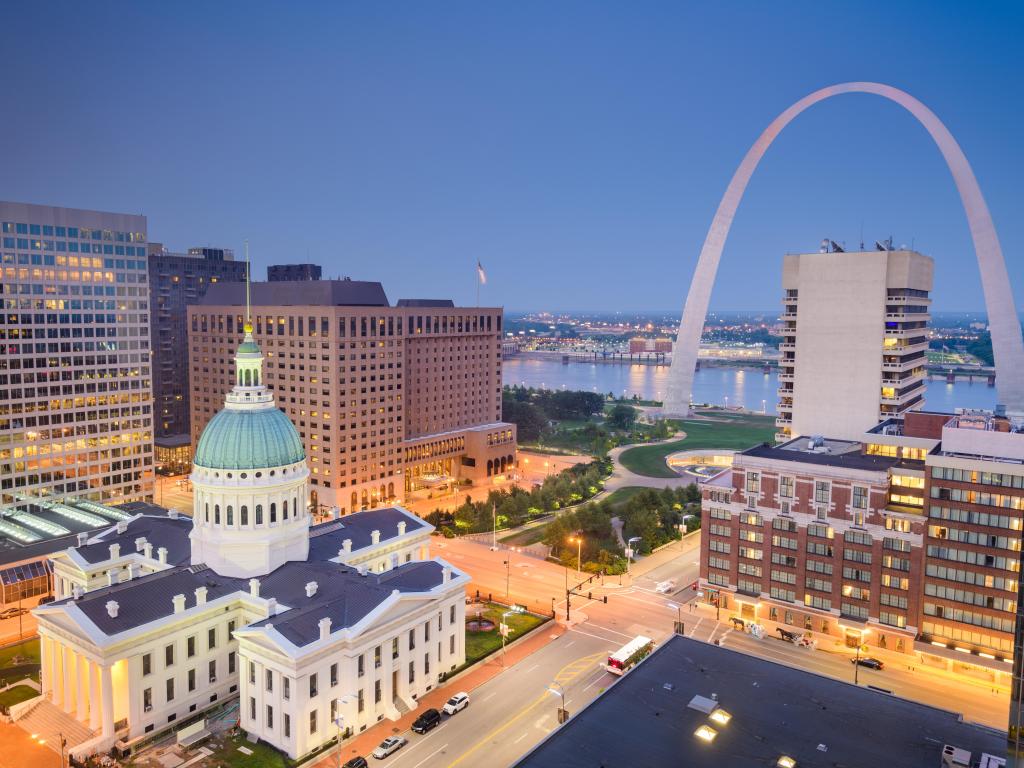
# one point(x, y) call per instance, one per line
point(1007, 345)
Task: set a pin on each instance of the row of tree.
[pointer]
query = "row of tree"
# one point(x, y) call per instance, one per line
point(532, 410)
point(509, 508)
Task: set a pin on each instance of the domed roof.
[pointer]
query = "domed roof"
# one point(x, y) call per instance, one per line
point(249, 439)
point(249, 347)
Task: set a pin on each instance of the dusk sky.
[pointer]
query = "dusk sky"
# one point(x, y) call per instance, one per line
point(578, 150)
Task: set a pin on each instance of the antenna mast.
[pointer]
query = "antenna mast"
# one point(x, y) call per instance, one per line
point(248, 277)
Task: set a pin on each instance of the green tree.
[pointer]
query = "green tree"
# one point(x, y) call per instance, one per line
point(622, 416)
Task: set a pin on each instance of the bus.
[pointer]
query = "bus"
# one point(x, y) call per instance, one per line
point(633, 652)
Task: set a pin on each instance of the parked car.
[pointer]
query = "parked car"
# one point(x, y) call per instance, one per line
point(10, 613)
point(456, 703)
point(427, 721)
point(47, 599)
point(356, 762)
point(389, 746)
point(869, 662)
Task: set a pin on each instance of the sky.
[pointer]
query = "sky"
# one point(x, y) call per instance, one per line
point(578, 150)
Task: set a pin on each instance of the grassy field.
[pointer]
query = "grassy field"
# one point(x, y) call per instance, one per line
point(479, 644)
point(227, 754)
point(16, 695)
point(735, 432)
point(620, 496)
point(527, 537)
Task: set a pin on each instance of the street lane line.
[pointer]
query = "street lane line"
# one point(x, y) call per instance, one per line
point(595, 680)
point(488, 696)
point(531, 669)
point(421, 762)
point(570, 644)
point(596, 637)
point(525, 734)
point(609, 629)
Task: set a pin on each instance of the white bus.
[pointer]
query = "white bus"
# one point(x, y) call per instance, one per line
point(631, 653)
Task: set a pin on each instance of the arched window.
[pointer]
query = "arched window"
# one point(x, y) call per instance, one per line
point(365, 500)
point(244, 515)
point(259, 514)
point(490, 466)
point(355, 501)
point(207, 511)
point(273, 512)
point(216, 514)
point(231, 515)
point(391, 490)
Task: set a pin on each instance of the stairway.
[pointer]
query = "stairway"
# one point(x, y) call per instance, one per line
point(51, 722)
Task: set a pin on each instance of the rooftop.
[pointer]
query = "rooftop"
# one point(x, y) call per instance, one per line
point(301, 293)
point(825, 452)
point(776, 711)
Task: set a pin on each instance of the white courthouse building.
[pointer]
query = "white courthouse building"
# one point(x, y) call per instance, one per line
point(313, 628)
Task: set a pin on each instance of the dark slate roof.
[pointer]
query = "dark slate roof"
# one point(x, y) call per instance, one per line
point(158, 531)
point(425, 303)
point(325, 539)
point(150, 597)
point(776, 710)
point(850, 460)
point(320, 293)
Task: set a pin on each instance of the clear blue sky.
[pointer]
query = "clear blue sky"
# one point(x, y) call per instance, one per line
point(577, 149)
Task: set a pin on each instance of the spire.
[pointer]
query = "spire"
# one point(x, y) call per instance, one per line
point(248, 278)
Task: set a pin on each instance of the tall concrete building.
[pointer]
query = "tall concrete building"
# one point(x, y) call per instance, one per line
point(76, 402)
point(175, 281)
point(388, 400)
point(278, 273)
point(854, 340)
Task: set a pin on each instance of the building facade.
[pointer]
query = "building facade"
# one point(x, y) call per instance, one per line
point(76, 402)
point(854, 332)
point(162, 618)
point(175, 281)
point(277, 273)
point(388, 400)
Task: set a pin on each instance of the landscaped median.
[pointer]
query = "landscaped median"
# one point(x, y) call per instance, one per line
point(482, 634)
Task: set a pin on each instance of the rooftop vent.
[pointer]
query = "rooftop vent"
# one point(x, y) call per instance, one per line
point(172, 513)
point(346, 546)
point(115, 551)
point(311, 588)
point(375, 537)
point(82, 539)
point(200, 595)
point(140, 543)
point(161, 555)
point(325, 628)
point(122, 526)
point(179, 603)
point(401, 527)
point(955, 757)
point(76, 592)
point(112, 608)
point(254, 587)
point(362, 570)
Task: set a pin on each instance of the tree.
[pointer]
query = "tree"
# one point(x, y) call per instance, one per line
point(530, 420)
point(622, 416)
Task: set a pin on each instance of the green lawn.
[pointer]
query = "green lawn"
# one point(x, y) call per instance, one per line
point(27, 650)
point(16, 695)
point(620, 496)
point(226, 754)
point(740, 432)
point(479, 644)
point(527, 537)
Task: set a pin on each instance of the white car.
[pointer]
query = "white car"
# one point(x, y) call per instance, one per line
point(456, 703)
point(665, 586)
point(390, 745)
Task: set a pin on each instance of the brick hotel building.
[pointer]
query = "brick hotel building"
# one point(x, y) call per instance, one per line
point(388, 399)
point(908, 540)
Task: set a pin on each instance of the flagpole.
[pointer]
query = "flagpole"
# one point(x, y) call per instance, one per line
point(478, 283)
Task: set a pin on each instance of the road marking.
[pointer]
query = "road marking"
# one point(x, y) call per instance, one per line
point(588, 634)
point(595, 680)
point(531, 669)
point(421, 762)
point(525, 734)
point(609, 629)
point(488, 696)
point(570, 644)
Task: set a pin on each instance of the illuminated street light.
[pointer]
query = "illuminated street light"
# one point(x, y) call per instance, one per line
point(578, 541)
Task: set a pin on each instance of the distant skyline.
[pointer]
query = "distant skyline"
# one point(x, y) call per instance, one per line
point(577, 150)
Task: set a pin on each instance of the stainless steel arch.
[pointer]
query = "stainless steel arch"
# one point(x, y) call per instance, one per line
point(1007, 343)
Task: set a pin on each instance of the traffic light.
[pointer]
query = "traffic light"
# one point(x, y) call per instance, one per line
point(590, 595)
point(605, 598)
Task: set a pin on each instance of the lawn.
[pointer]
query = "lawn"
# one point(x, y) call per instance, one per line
point(738, 433)
point(16, 695)
point(620, 496)
point(226, 754)
point(480, 644)
point(525, 538)
point(20, 661)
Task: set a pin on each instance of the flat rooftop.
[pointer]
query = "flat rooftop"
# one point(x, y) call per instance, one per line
point(826, 451)
point(299, 293)
point(644, 719)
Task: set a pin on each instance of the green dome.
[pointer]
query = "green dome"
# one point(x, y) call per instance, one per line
point(248, 348)
point(245, 439)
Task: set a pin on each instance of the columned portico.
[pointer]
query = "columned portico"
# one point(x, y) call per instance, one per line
point(95, 714)
point(66, 661)
point(107, 696)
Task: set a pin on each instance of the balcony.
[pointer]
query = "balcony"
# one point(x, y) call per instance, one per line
point(787, 346)
point(783, 420)
point(785, 374)
point(783, 392)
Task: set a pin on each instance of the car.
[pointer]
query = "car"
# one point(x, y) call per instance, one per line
point(389, 746)
point(427, 721)
point(47, 599)
point(10, 613)
point(456, 703)
point(665, 586)
point(869, 662)
point(356, 762)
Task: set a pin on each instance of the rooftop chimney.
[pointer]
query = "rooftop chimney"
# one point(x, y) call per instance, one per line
point(82, 539)
point(325, 628)
point(254, 587)
point(311, 588)
point(115, 551)
point(271, 606)
point(112, 577)
point(446, 574)
point(375, 537)
point(172, 513)
point(131, 571)
point(147, 551)
point(346, 546)
point(112, 607)
point(200, 595)
point(401, 527)
point(161, 555)
point(122, 526)
point(140, 543)
point(179, 603)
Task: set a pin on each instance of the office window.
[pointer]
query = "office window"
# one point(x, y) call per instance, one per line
point(147, 700)
point(212, 670)
point(376, 657)
point(231, 663)
point(170, 689)
point(312, 686)
point(211, 638)
point(286, 688)
point(147, 663)
point(312, 721)
point(191, 680)
point(377, 692)
point(362, 702)
point(252, 708)
point(860, 497)
point(168, 655)
point(286, 724)
point(270, 716)
point(270, 680)
point(252, 673)
point(334, 673)
point(190, 647)
point(360, 666)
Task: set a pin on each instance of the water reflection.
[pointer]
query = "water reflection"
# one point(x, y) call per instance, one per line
point(744, 387)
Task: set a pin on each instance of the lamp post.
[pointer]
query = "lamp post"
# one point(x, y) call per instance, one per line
point(494, 534)
point(629, 551)
point(856, 661)
point(578, 541)
point(508, 574)
point(679, 616)
point(338, 721)
point(562, 714)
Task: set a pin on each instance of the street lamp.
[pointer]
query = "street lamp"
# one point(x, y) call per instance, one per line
point(338, 720)
point(679, 616)
point(578, 541)
point(562, 714)
point(629, 551)
point(856, 661)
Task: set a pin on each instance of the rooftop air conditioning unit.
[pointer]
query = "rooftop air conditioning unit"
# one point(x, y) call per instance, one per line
point(955, 757)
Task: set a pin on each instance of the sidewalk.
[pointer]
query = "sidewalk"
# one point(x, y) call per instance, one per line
point(364, 743)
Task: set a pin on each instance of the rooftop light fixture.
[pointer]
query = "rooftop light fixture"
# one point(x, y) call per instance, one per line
point(720, 716)
point(706, 733)
point(785, 762)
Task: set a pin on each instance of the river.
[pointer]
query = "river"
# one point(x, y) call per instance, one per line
point(744, 387)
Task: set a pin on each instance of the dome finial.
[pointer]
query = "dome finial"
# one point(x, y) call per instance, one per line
point(248, 278)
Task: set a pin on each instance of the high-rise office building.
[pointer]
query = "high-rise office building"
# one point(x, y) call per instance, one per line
point(175, 281)
point(854, 340)
point(388, 400)
point(277, 273)
point(76, 403)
